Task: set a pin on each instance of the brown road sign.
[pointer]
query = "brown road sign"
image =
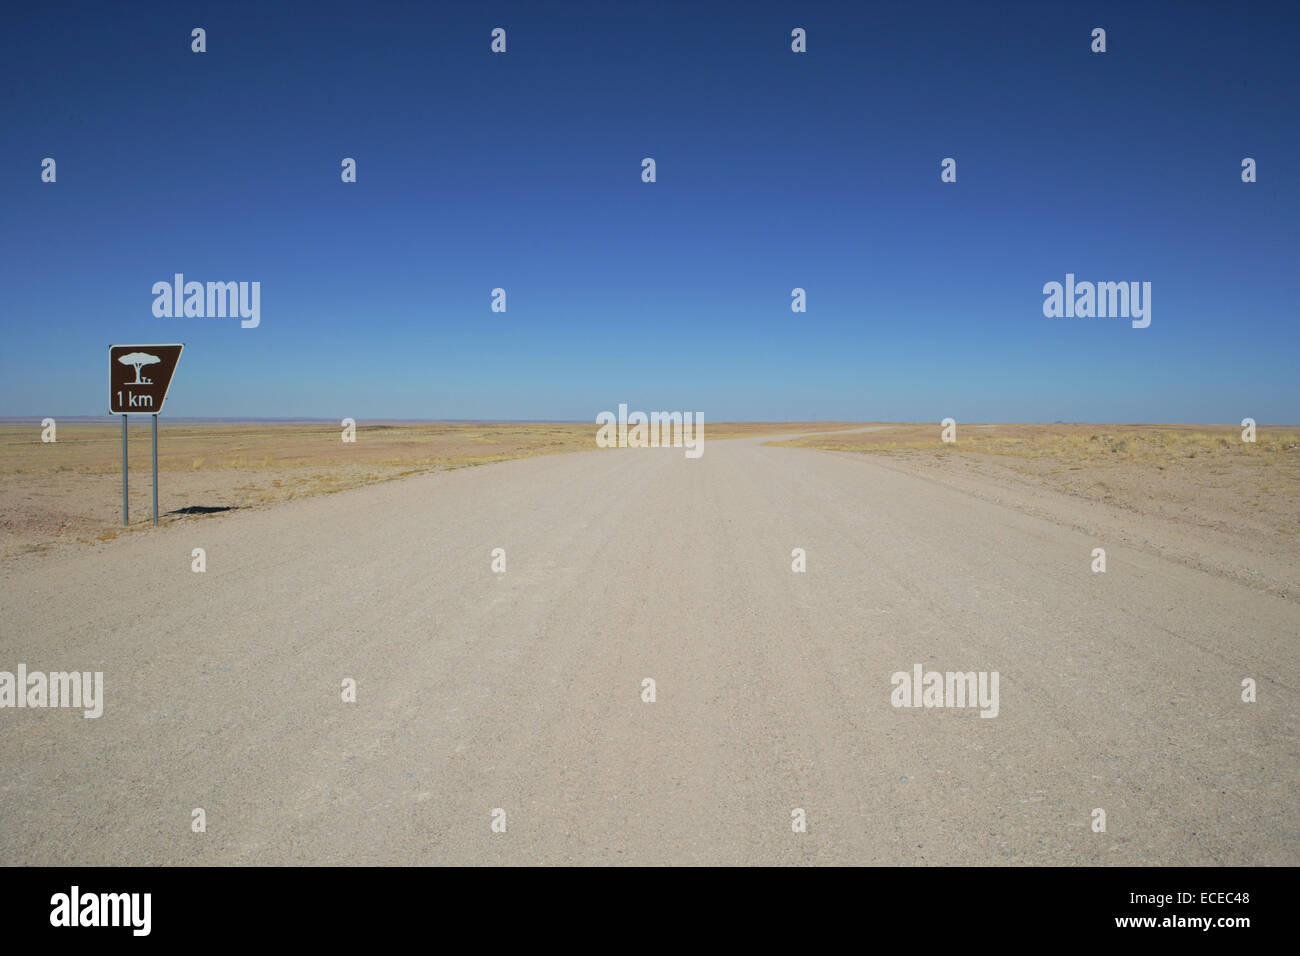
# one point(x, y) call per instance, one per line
point(138, 377)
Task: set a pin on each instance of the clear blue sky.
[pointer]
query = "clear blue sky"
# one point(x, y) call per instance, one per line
point(775, 170)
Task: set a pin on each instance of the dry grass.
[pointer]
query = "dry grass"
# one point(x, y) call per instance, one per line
point(96, 449)
point(1201, 484)
point(93, 449)
point(1074, 444)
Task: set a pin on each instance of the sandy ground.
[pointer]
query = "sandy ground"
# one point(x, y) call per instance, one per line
point(57, 497)
point(523, 690)
point(1195, 494)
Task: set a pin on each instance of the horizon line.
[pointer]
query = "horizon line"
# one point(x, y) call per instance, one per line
point(297, 419)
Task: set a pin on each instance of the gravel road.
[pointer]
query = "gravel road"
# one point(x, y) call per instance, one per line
point(523, 690)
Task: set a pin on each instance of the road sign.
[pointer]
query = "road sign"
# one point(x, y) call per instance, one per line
point(138, 377)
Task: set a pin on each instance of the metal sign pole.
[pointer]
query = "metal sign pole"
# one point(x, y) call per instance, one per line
point(155, 468)
point(129, 389)
point(126, 512)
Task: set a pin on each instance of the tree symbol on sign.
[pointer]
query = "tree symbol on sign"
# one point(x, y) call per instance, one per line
point(139, 359)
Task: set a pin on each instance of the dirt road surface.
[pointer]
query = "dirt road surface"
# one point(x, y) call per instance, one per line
point(522, 690)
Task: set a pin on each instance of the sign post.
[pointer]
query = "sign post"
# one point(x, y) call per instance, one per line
point(155, 468)
point(131, 390)
point(126, 508)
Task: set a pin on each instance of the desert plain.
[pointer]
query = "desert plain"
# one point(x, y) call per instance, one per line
point(1233, 504)
point(496, 627)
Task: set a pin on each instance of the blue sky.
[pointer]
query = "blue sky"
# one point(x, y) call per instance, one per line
point(775, 170)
